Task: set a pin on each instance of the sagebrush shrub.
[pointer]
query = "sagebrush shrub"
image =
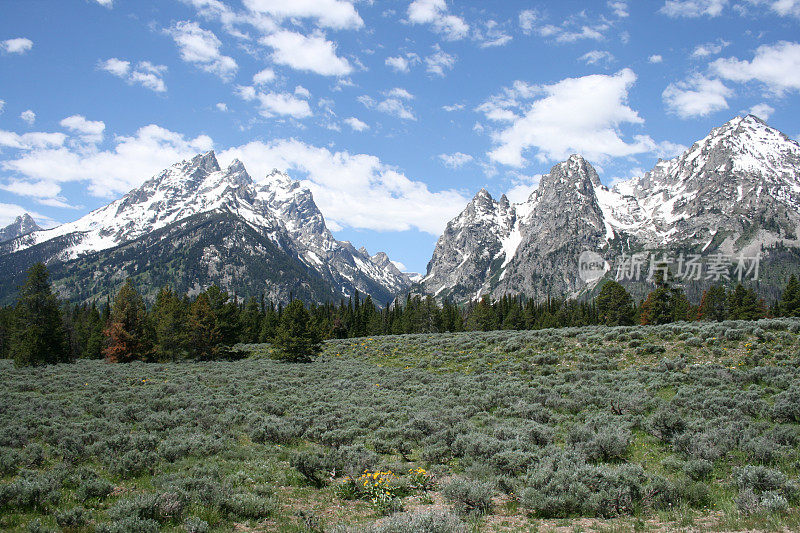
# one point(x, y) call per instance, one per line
point(469, 496)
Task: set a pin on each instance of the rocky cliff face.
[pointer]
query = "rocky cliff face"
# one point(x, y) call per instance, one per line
point(22, 225)
point(735, 191)
point(280, 211)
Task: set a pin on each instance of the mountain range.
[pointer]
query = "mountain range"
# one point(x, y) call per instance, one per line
point(194, 224)
point(735, 192)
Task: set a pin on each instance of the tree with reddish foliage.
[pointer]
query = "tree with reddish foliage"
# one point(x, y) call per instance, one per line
point(127, 332)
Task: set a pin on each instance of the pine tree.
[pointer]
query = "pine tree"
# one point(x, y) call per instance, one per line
point(226, 313)
point(514, 318)
point(614, 305)
point(744, 304)
point(713, 304)
point(250, 322)
point(666, 303)
point(482, 317)
point(127, 329)
point(37, 333)
point(269, 325)
point(296, 338)
point(6, 324)
point(789, 304)
point(95, 342)
point(204, 337)
point(169, 323)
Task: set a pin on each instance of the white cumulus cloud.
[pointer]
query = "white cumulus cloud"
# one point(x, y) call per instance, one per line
point(144, 73)
point(355, 124)
point(439, 61)
point(575, 115)
point(455, 160)
point(402, 63)
point(395, 103)
point(595, 57)
point(777, 66)
point(20, 45)
point(312, 53)
point(264, 77)
point(335, 14)
point(436, 13)
point(202, 48)
point(696, 97)
point(91, 131)
point(272, 104)
point(44, 161)
point(354, 190)
point(762, 111)
point(709, 49)
point(491, 35)
point(28, 116)
point(693, 8)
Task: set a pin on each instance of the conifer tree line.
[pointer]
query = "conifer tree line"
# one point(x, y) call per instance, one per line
point(40, 329)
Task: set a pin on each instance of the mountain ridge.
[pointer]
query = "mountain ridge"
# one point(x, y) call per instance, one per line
point(736, 190)
point(278, 208)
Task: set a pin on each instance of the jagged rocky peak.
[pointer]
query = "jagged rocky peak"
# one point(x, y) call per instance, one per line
point(742, 147)
point(482, 200)
point(575, 172)
point(238, 173)
point(484, 207)
point(206, 162)
point(280, 178)
point(22, 225)
point(380, 258)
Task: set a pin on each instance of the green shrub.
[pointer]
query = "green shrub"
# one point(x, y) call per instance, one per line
point(421, 522)
point(72, 518)
point(195, 525)
point(93, 486)
point(666, 423)
point(129, 524)
point(563, 485)
point(313, 465)
point(31, 490)
point(469, 496)
point(247, 505)
point(161, 508)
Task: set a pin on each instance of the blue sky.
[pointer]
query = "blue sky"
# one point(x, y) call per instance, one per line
point(395, 113)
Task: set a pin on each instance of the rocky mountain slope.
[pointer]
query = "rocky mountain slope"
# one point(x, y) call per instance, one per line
point(737, 191)
point(22, 225)
point(277, 243)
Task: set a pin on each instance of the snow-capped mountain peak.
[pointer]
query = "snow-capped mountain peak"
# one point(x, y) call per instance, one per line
point(735, 190)
point(279, 208)
point(22, 225)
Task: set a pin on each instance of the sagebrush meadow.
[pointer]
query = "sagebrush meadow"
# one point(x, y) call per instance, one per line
point(649, 426)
